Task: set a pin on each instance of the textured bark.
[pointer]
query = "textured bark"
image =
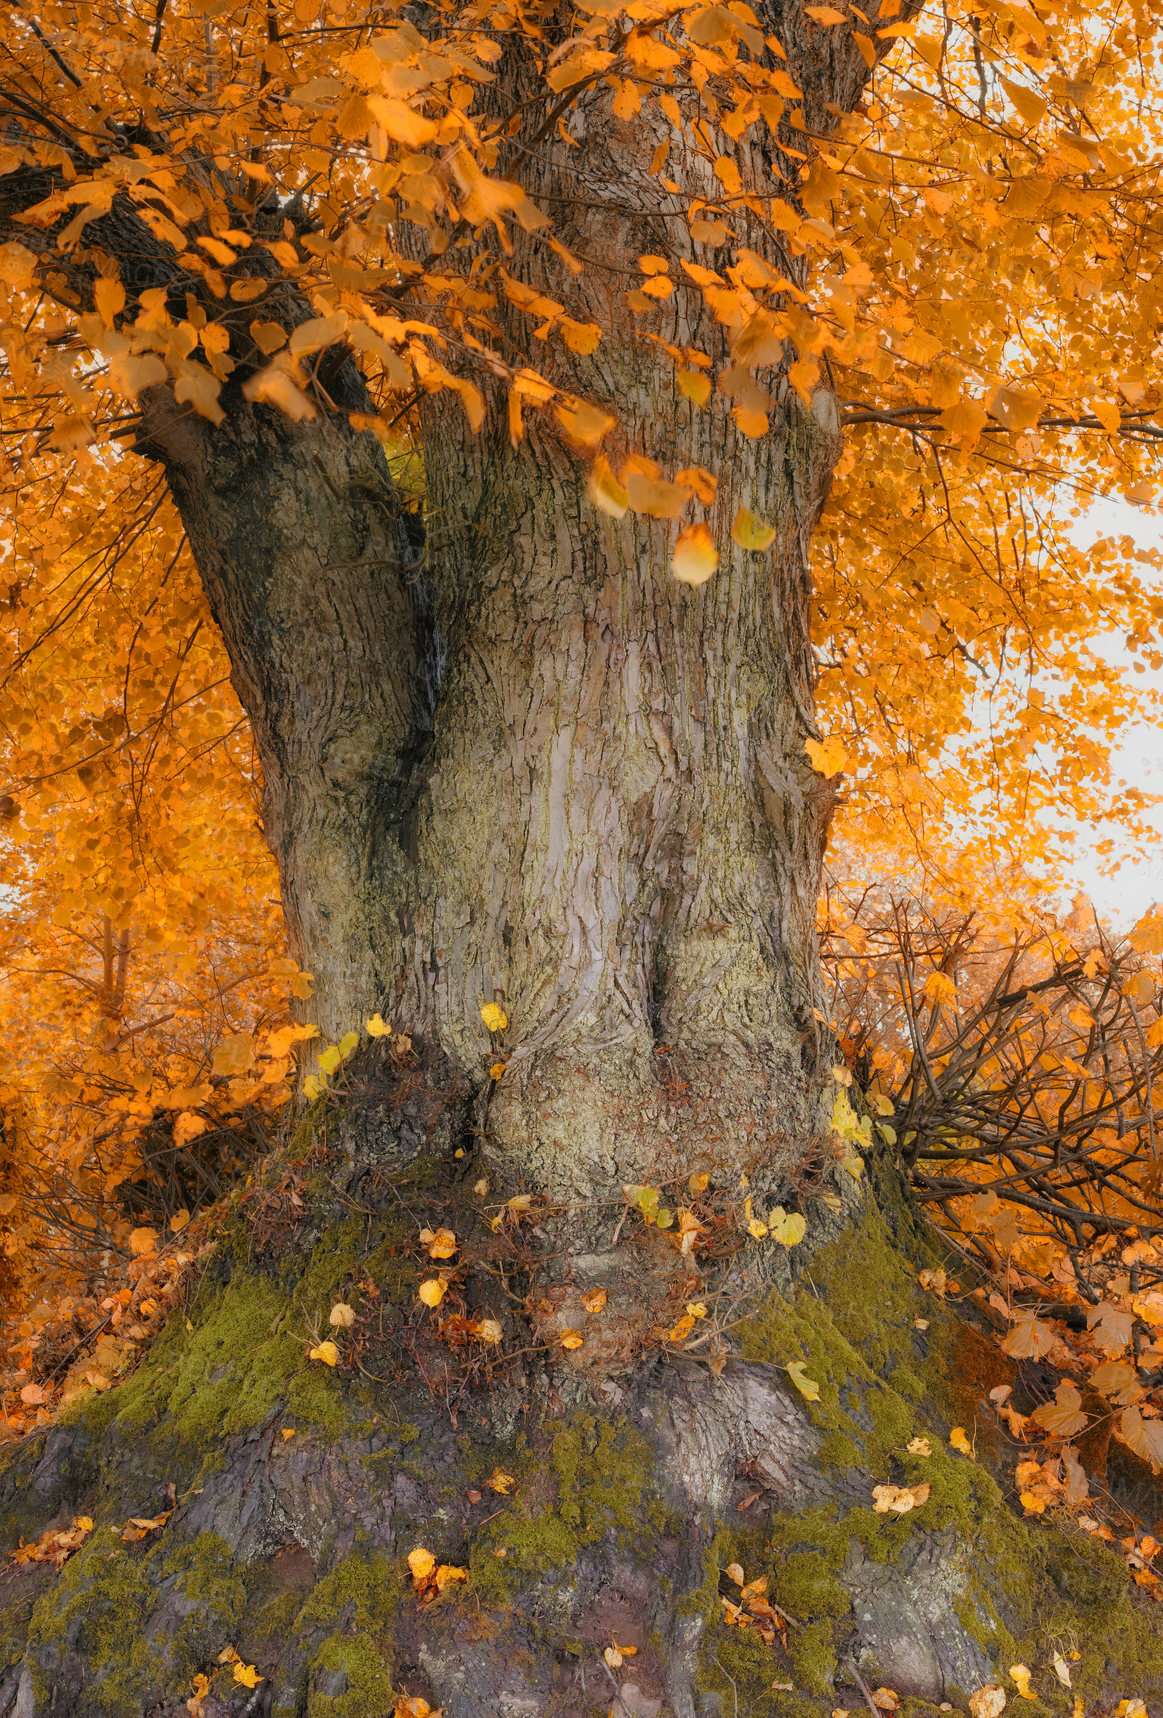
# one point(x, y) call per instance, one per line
point(529, 767)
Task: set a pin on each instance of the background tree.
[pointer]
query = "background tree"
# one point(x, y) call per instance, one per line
point(586, 1212)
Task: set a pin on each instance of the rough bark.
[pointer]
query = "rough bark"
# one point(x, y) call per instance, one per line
point(536, 771)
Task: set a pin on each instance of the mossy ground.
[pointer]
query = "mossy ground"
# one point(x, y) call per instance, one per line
point(1030, 1588)
point(585, 1488)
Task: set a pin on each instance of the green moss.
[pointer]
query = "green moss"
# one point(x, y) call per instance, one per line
point(363, 1589)
point(98, 1605)
point(349, 1678)
point(239, 1361)
point(593, 1480)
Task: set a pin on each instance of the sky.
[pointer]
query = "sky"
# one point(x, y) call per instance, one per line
point(1124, 896)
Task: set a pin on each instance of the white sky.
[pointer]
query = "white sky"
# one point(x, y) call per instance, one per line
point(1125, 895)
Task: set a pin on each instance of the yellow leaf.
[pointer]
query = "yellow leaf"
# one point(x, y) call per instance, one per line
point(1064, 1415)
point(1108, 415)
point(695, 556)
point(752, 532)
point(695, 385)
point(753, 424)
point(654, 496)
point(699, 1182)
point(401, 123)
point(287, 1433)
point(446, 1572)
point(268, 336)
point(494, 1017)
point(411, 1706)
point(341, 1315)
point(606, 493)
point(109, 297)
point(584, 423)
point(580, 337)
point(196, 386)
point(274, 386)
point(247, 1675)
point(441, 1245)
point(828, 758)
point(377, 1027)
point(595, 1300)
point(488, 1330)
point(325, 1351)
point(696, 1308)
point(571, 1339)
point(920, 1447)
point(825, 14)
point(1027, 101)
point(500, 1482)
point(1021, 1676)
point(234, 1055)
point(1147, 935)
point(960, 1442)
point(939, 988)
point(179, 1220)
point(431, 1291)
point(142, 1241)
point(421, 1563)
point(988, 1702)
point(787, 1227)
point(497, 1070)
point(807, 1387)
point(188, 1126)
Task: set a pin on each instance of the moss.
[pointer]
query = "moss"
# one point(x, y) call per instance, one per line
point(593, 1480)
point(364, 1589)
point(240, 1361)
point(740, 1668)
point(349, 1678)
point(98, 1605)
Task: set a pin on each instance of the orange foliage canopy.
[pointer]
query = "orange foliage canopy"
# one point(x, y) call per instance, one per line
point(983, 296)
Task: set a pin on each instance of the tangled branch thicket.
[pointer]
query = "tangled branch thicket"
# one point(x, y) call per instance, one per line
point(1024, 1072)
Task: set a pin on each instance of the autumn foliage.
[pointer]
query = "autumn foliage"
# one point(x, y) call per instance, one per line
point(971, 264)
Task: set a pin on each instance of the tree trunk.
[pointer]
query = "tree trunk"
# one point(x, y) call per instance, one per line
point(535, 770)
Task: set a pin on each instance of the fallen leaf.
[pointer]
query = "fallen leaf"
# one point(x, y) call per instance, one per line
point(1064, 1415)
point(960, 1442)
point(1021, 1677)
point(325, 1351)
point(988, 1702)
point(808, 1388)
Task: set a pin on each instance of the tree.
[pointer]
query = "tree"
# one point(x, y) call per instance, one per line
point(567, 1319)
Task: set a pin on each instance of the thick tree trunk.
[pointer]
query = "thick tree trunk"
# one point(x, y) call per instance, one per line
point(535, 770)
